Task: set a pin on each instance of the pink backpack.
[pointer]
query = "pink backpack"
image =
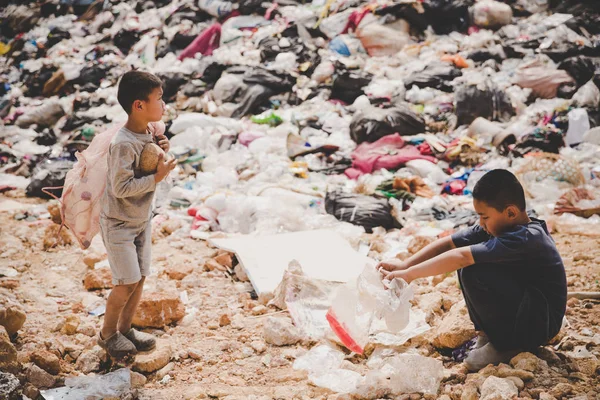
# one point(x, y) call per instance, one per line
point(85, 183)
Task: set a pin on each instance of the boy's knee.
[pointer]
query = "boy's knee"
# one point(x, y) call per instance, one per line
point(129, 288)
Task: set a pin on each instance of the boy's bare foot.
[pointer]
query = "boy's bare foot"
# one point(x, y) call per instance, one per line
point(142, 341)
point(479, 358)
point(117, 346)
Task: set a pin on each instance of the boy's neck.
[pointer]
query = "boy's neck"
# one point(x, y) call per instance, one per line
point(136, 126)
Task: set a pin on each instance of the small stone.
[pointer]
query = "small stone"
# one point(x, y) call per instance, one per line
point(158, 309)
point(88, 361)
point(259, 346)
point(165, 370)
point(54, 211)
point(40, 378)
point(431, 304)
point(180, 270)
point(12, 319)
point(444, 397)
point(92, 258)
point(456, 328)
point(9, 283)
point(561, 390)
point(281, 332)
point(148, 363)
point(138, 380)
point(71, 324)
point(225, 260)
point(517, 381)
point(546, 396)
point(224, 320)
point(247, 352)
point(195, 354)
point(55, 236)
point(87, 329)
point(171, 225)
point(212, 265)
point(238, 322)
point(212, 325)
point(46, 361)
point(9, 386)
point(259, 310)
point(30, 391)
point(240, 273)
point(8, 354)
point(470, 392)
point(548, 355)
point(495, 388)
point(527, 362)
point(98, 279)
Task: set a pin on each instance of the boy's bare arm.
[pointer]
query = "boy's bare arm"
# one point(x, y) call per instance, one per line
point(449, 261)
point(428, 252)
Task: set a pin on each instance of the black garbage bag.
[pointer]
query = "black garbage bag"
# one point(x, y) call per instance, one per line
point(278, 82)
point(180, 41)
point(213, 71)
point(91, 77)
point(485, 101)
point(437, 75)
point(49, 173)
point(374, 123)
point(581, 68)
point(172, 82)
point(361, 210)
point(253, 96)
point(34, 83)
point(125, 40)
point(56, 35)
point(348, 84)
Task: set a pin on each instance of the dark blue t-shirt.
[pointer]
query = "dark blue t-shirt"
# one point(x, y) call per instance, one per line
point(528, 252)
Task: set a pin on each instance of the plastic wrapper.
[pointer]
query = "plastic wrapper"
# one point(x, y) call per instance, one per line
point(113, 384)
point(358, 303)
point(491, 14)
point(436, 75)
point(380, 40)
point(542, 80)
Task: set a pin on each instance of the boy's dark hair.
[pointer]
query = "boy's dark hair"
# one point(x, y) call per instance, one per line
point(499, 188)
point(136, 85)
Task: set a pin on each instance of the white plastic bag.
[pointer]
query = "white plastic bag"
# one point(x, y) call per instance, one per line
point(359, 302)
point(112, 385)
point(491, 14)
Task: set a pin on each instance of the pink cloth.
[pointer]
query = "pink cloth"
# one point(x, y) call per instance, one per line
point(389, 152)
point(205, 43)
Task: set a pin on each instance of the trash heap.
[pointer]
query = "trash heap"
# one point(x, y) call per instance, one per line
point(373, 119)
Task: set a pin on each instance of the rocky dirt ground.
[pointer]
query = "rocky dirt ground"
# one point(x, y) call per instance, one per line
point(211, 329)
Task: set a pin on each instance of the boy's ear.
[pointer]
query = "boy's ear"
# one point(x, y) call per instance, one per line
point(137, 105)
point(512, 211)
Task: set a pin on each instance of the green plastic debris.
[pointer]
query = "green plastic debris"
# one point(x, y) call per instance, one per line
point(271, 119)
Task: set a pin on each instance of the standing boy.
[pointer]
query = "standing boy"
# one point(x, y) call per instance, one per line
point(126, 212)
point(510, 272)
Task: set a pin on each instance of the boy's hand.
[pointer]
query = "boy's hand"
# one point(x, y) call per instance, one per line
point(163, 142)
point(392, 265)
point(404, 274)
point(163, 168)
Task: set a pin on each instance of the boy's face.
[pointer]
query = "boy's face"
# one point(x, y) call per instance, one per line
point(493, 221)
point(151, 109)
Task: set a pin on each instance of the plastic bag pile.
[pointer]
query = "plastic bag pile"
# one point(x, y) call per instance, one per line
point(288, 115)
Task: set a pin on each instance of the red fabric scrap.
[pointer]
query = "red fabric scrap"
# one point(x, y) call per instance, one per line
point(205, 43)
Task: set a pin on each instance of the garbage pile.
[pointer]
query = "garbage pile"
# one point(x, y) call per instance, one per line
point(290, 116)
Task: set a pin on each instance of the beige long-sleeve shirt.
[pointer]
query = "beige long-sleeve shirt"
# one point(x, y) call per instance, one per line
point(128, 195)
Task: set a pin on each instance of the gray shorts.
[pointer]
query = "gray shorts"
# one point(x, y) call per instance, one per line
point(128, 245)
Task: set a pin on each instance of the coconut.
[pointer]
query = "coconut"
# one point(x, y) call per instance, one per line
point(149, 158)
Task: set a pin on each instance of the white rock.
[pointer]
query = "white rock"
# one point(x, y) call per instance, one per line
point(495, 388)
